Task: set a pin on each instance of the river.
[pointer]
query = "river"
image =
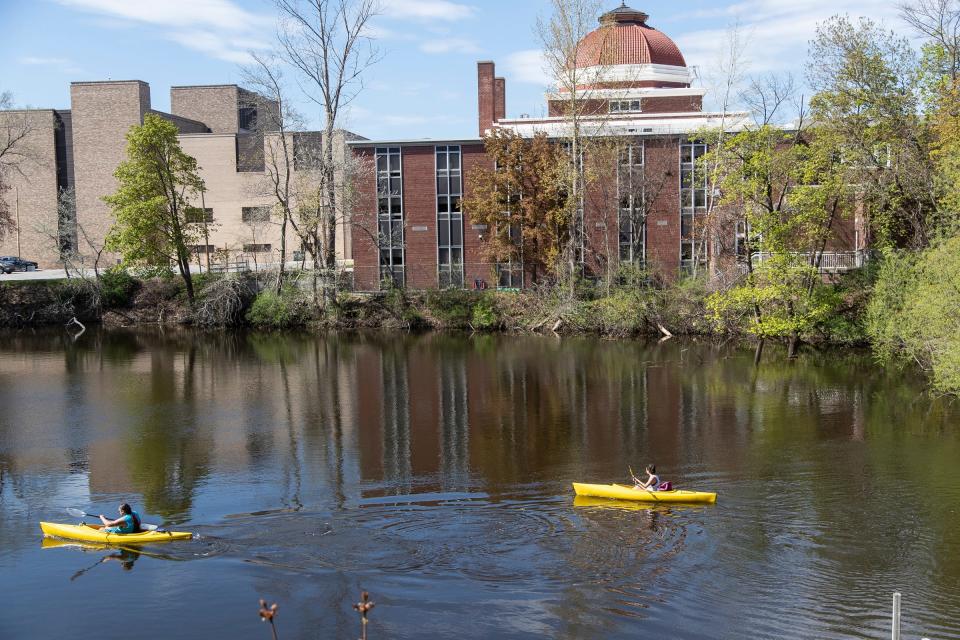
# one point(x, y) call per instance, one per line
point(434, 471)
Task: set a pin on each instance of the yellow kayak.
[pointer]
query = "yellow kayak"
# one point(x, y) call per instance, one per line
point(95, 533)
point(627, 492)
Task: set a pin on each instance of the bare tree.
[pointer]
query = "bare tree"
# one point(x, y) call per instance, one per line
point(15, 153)
point(562, 37)
point(328, 42)
point(626, 184)
point(727, 80)
point(278, 120)
point(938, 20)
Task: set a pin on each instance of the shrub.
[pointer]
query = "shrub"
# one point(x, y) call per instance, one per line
point(272, 311)
point(452, 308)
point(117, 287)
point(486, 315)
point(222, 301)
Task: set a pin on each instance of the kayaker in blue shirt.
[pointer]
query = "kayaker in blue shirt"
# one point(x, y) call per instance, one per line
point(128, 522)
point(653, 480)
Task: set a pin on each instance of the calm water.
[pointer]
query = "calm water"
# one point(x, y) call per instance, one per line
point(435, 472)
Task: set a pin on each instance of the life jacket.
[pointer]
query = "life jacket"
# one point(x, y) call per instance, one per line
point(131, 523)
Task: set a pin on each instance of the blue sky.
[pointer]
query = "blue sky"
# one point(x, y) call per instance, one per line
point(425, 85)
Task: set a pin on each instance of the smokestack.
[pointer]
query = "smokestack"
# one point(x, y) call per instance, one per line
point(486, 96)
point(500, 105)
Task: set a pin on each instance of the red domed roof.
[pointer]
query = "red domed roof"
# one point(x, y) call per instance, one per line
point(625, 38)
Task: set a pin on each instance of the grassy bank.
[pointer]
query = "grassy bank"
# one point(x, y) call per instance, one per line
point(631, 308)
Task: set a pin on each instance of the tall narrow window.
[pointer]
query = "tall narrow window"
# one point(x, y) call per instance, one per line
point(449, 217)
point(630, 189)
point(390, 214)
point(693, 204)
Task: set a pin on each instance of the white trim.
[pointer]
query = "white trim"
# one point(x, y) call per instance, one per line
point(638, 73)
point(637, 125)
point(642, 92)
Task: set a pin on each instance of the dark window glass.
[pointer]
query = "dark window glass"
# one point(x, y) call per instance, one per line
point(443, 236)
point(255, 214)
point(442, 186)
point(456, 233)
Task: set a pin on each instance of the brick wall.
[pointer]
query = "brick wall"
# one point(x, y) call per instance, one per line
point(674, 104)
point(36, 189)
point(102, 114)
point(215, 106)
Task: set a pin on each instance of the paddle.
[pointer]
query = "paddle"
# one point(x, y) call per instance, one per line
point(637, 482)
point(77, 513)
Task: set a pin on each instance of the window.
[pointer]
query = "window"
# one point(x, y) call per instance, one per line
point(449, 217)
point(198, 249)
point(255, 214)
point(625, 106)
point(257, 248)
point(632, 214)
point(693, 202)
point(247, 117)
point(390, 213)
point(196, 215)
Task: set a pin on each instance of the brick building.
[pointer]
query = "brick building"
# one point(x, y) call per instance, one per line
point(637, 89)
point(79, 149)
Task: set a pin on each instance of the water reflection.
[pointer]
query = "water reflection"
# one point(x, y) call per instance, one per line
point(437, 469)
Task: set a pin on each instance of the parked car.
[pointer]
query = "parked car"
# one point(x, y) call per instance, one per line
point(9, 264)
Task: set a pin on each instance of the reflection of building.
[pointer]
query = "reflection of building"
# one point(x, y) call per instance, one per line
point(225, 127)
point(636, 89)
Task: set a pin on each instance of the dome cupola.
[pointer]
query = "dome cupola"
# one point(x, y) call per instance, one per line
point(624, 37)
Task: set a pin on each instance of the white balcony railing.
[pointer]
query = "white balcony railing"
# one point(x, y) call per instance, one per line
point(828, 261)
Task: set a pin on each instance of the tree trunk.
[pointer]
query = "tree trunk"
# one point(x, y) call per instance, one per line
point(758, 353)
point(793, 345)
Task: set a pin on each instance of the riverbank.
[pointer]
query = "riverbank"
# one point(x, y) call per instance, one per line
point(627, 310)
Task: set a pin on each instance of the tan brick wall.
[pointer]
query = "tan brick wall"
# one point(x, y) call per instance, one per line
point(228, 191)
point(215, 106)
point(36, 189)
point(103, 112)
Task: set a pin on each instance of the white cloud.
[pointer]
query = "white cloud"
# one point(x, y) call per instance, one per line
point(222, 14)
point(63, 65)
point(527, 66)
point(428, 10)
point(451, 45)
point(44, 61)
point(776, 33)
point(218, 28)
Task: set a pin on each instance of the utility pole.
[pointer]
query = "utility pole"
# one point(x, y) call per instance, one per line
point(17, 207)
point(206, 231)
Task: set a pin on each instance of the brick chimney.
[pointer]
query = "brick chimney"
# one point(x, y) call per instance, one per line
point(486, 94)
point(500, 104)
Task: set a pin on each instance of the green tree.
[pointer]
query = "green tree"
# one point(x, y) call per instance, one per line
point(866, 97)
point(915, 311)
point(156, 184)
point(787, 192)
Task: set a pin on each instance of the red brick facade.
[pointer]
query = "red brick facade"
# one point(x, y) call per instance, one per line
point(658, 87)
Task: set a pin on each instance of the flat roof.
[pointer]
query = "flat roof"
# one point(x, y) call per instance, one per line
point(110, 82)
point(413, 141)
point(203, 86)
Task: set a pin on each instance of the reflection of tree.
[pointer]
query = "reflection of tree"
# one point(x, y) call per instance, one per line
point(168, 451)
